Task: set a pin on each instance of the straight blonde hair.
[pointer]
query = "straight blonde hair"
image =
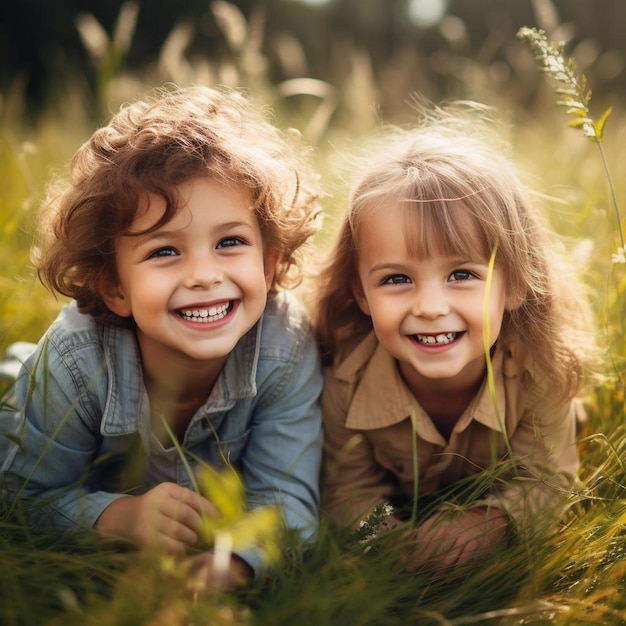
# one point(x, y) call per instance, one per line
point(462, 197)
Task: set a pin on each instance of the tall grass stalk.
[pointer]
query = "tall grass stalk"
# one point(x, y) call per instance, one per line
point(491, 385)
point(574, 577)
point(575, 96)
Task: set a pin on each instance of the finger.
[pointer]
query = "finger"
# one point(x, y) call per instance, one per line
point(186, 515)
point(208, 508)
point(171, 545)
point(199, 503)
point(183, 522)
point(166, 534)
point(179, 530)
point(185, 536)
point(203, 506)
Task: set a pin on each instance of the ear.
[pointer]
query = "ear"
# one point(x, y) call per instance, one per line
point(359, 296)
point(270, 261)
point(113, 296)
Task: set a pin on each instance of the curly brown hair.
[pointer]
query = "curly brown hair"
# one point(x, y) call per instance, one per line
point(153, 146)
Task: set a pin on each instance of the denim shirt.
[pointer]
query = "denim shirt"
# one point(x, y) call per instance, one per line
point(84, 421)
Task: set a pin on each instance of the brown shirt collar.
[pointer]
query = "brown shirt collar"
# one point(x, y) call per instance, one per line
point(382, 398)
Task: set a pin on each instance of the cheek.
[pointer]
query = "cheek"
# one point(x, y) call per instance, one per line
point(496, 315)
point(255, 284)
point(150, 293)
point(384, 317)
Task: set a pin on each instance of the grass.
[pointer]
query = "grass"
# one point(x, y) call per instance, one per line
point(575, 577)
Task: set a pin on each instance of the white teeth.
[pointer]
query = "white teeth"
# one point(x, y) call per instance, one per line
point(205, 315)
point(433, 339)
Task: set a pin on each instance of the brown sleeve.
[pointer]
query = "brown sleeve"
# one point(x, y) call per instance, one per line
point(544, 446)
point(353, 482)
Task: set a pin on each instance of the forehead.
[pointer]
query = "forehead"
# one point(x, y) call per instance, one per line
point(423, 228)
point(201, 198)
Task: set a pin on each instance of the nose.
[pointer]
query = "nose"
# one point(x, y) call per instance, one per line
point(430, 302)
point(202, 272)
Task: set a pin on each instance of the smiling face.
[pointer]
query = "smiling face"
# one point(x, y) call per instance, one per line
point(427, 311)
point(198, 283)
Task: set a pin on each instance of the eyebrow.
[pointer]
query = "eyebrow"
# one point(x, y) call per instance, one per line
point(238, 224)
point(140, 239)
point(451, 261)
point(386, 267)
point(160, 233)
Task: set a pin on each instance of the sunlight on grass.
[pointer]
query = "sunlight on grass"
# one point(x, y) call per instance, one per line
point(576, 576)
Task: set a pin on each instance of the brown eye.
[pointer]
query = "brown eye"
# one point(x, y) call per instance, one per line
point(396, 279)
point(162, 252)
point(231, 242)
point(461, 275)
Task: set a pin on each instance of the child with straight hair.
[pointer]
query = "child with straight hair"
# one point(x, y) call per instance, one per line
point(446, 283)
point(182, 225)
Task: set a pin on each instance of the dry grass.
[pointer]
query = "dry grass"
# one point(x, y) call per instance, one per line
point(575, 577)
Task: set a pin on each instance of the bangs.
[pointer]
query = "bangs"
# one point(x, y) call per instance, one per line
point(444, 227)
point(448, 206)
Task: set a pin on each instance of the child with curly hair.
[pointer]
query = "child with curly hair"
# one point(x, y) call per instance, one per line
point(446, 283)
point(182, 226)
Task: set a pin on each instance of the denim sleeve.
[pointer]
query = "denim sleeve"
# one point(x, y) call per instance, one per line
point(10, 365)
point(58, 429)
point(281, 463)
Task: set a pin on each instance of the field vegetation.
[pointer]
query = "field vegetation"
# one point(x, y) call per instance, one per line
point(577, 576)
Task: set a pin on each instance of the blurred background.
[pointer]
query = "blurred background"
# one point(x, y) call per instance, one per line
point(334, 69)
point(371, 52)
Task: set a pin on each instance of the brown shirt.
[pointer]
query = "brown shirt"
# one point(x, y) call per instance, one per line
point(370, 416)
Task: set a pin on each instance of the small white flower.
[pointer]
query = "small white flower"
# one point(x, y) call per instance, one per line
point(619, 256)
point(387, 509)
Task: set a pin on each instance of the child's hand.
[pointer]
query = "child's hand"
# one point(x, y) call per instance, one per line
point(168, 517)
point(448, 539)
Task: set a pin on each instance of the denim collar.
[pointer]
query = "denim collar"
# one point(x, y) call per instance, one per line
point(126, 408)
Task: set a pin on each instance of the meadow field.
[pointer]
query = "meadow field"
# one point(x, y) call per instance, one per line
point(576, 576)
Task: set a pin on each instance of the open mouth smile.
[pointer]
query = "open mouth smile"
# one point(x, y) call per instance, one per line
point(437, 339)
point(206, 315)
